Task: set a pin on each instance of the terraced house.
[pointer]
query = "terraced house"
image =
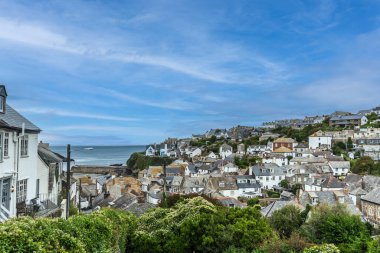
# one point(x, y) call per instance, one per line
point(18, 159)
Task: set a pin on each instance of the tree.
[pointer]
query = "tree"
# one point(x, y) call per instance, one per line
point(286, 220)
point(364, 165)
point(253, 201)
point(284, 184)
point(334, 224)
point(213, 139)
point(349, 144)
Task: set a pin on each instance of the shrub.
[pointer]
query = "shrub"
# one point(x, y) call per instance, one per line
point(103, 231)
point(325, 248)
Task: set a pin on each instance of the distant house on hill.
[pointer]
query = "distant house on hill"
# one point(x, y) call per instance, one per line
point(225, 150)
point(349, 120)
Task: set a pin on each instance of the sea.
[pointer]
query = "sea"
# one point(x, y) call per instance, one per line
point(99, 155)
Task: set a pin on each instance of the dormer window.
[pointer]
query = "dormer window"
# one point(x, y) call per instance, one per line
point(3, 96)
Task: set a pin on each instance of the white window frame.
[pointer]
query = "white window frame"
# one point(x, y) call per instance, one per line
point(24, 143)
point(1, 146)
point(6, 145)
point(22, 190)
point(2, 104)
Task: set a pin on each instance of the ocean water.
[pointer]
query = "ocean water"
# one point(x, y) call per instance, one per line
point(99, 155)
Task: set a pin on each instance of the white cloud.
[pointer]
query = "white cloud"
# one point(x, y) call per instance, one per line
point(58, 112)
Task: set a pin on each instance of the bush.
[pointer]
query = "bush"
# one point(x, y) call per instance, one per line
point(325, 248)
point(103, 231)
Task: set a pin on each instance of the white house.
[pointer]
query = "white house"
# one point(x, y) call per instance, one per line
point(248, 186)
point(340, 168)
point(212, 155)
point(278, 159)
point(255, 149)
point(320, 140)
point(269, 175)
point(50, 167)
point(230, 168)
point(196, 152)
point(18, 159)
point(150, 151)
point(225, 151)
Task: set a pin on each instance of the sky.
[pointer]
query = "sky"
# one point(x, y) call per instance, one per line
point(136, 72)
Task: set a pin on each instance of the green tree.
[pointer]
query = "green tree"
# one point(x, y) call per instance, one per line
point(284, 184)
point(334, 224)
point(253, 201)
point(286, 220)
point(364, 165)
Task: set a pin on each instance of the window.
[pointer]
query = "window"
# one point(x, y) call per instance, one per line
point(5, 187)
point(6, 145)
point(2, 102)
point(22, 186)
point(24, 145)
point(370, 211)
point(1, 147)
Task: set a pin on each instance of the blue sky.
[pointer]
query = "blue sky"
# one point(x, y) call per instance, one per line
point(136, 72)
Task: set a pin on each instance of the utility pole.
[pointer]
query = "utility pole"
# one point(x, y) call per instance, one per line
point(80, 190)
point(68, 180)
point(164, 195)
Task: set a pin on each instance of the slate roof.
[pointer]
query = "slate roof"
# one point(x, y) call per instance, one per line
point(230, 202)
point(226, 147)
point(140, 208)
point(253, 184)
point(348, 117)
point(277, 205)
point(284, 140)
point(48, 156)
point(332, 182)
point(13, 120)
point(373, 196)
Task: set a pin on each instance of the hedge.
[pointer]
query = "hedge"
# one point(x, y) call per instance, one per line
point(103, 231)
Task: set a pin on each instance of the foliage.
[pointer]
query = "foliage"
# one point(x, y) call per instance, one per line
point(253, 201)
point(103, 231)
point(286, 220)
point(246, 161)
point(195, 224)
point(284, 184)
point(334, 224)
point(139, 161)
point(294, 244)
point(324, 248)
point(363, 165)
point(273, 194)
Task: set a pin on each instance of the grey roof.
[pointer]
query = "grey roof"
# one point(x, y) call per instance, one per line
point(358, 191)
point(195, 182)
point(48, 156)
point(259, 170)
point(277, 205)
point(230, 202)
point(373, 196)
point(140, 208)
point(13, 120)
point(252, 184)
point(348, 117)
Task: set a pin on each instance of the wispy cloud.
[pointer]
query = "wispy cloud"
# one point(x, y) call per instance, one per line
point(73, 114)
point(172, 103)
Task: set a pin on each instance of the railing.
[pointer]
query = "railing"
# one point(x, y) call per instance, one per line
point(4, 213)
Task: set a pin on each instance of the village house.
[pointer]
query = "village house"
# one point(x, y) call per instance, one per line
point(278, 159)
point(269, 175)
point(248, 186)
point(349, 120)
point(257, 149)
point(230, 168)
point(226, 186)
point(50, 168)
point(340, 168)
point(324, 183)
point(284, 145)
point(18, 159)
point(371, 206)
point(194, 184)
point(150, 150)
point(320, 140)
point(195, 152)
point(225, 150)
